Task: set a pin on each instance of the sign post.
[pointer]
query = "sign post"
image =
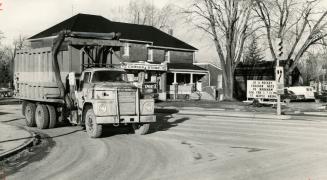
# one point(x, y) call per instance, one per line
point(279, 87)
point(279, 76)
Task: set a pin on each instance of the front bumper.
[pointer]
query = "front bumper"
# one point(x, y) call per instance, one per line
point(125, 119)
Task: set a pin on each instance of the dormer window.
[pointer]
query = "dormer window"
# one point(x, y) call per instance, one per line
point(126, 49)
point(167, 56)
point(150, 55)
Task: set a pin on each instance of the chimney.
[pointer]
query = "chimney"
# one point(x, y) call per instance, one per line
point(170, 32)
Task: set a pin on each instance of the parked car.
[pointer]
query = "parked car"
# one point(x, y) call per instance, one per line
point(6, 92)
point(323, 96)
point(302, 92)
point(288, 94)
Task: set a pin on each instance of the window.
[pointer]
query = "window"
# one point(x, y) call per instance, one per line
point(167, 56)
point(150, 55)
point(126, 49)
point(108, 76)
point(86, 78)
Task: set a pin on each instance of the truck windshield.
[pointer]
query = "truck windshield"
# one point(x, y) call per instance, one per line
point(108, 76)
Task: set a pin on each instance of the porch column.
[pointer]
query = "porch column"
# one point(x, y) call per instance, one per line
point(163, 87)
point(175, 78)
point(191, 82)
point(175, 86)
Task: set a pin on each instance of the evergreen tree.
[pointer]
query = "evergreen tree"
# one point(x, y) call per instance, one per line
point(253, 54)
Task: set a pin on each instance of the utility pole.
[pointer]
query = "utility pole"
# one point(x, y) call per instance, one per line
point(279, 76)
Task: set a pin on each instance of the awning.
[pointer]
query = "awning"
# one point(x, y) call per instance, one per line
point(186, 68)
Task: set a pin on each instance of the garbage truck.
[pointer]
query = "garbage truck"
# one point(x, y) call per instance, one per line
point(71, 77)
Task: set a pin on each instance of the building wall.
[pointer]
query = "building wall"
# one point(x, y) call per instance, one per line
point(181, 57)
point(158, 55)
point(215, 75)
point(137, 52)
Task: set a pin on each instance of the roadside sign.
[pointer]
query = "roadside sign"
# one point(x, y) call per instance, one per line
point(279, 80)
point(261, 89)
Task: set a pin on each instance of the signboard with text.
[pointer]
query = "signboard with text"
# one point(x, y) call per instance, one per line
point(145, 66)
point(261, 89)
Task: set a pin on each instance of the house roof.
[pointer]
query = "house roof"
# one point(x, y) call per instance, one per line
point(99, 24)
point(184, 66)
point(261, 68)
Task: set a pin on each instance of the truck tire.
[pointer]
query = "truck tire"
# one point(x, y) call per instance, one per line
point(29, 113)
point(24, 103)
point(52, 116)
point(94, 130)
point(42, 116)
point(140, 129)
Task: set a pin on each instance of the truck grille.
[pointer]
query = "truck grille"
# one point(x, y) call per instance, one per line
point(127, 102)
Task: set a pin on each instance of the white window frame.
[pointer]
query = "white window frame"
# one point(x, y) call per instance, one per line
point(150, 55)
point(167, 56)
point(126, 49)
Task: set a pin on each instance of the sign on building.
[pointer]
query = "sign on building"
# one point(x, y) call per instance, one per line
point(261, 89)
point(145, 66)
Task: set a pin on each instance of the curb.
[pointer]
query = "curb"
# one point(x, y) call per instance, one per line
point(21, 147)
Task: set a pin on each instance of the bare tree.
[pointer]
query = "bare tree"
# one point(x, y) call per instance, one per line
point(228, 23)
point(18, 44)
point(145, 13)
point(301, 23)
point(311, 67)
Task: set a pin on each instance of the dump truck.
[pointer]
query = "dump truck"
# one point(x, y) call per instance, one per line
point(71, 76)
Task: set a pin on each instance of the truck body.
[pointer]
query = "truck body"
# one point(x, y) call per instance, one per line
point(77, 81)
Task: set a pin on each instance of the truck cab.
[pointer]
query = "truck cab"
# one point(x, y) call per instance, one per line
point(104, 96)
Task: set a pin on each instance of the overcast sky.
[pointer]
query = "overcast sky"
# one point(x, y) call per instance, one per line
point(28, 17)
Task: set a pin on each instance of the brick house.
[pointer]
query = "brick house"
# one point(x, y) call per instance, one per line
point(162, 62)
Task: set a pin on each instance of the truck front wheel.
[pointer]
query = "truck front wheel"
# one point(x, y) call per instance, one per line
point(42, 116)
point(140, 129)
point(29, 112)
point(94, 130)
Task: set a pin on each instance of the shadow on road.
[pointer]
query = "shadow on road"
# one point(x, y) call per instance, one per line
point(108, 131)
point(15, 119)
point(163, 120)
point(3, 113)
point(64, 134)
point(162, 124)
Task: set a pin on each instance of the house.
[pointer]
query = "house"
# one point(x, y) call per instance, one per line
point(213, 82)
point(158, 59)
point(263, 70)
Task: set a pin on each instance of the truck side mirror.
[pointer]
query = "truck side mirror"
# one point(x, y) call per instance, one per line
point(81, 82)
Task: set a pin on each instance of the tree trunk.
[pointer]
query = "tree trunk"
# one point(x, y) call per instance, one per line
point(229, 82)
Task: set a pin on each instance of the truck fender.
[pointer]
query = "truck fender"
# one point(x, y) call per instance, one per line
point(84, 109)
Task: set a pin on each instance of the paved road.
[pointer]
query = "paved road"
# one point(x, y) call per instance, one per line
point(185, 146)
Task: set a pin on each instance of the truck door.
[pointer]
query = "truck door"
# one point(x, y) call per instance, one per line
point(83, 87)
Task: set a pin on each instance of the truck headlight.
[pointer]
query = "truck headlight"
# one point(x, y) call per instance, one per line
point(106, 108)
point(102, 108)
point(147, 106)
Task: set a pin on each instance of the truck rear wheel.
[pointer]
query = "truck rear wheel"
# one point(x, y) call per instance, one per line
point(140, 129)
point(94, 130)
point(52, 116)
point(42, 116)
point(29, 112)
point(24, 103)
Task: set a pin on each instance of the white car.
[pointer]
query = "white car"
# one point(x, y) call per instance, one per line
point(303, 92)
